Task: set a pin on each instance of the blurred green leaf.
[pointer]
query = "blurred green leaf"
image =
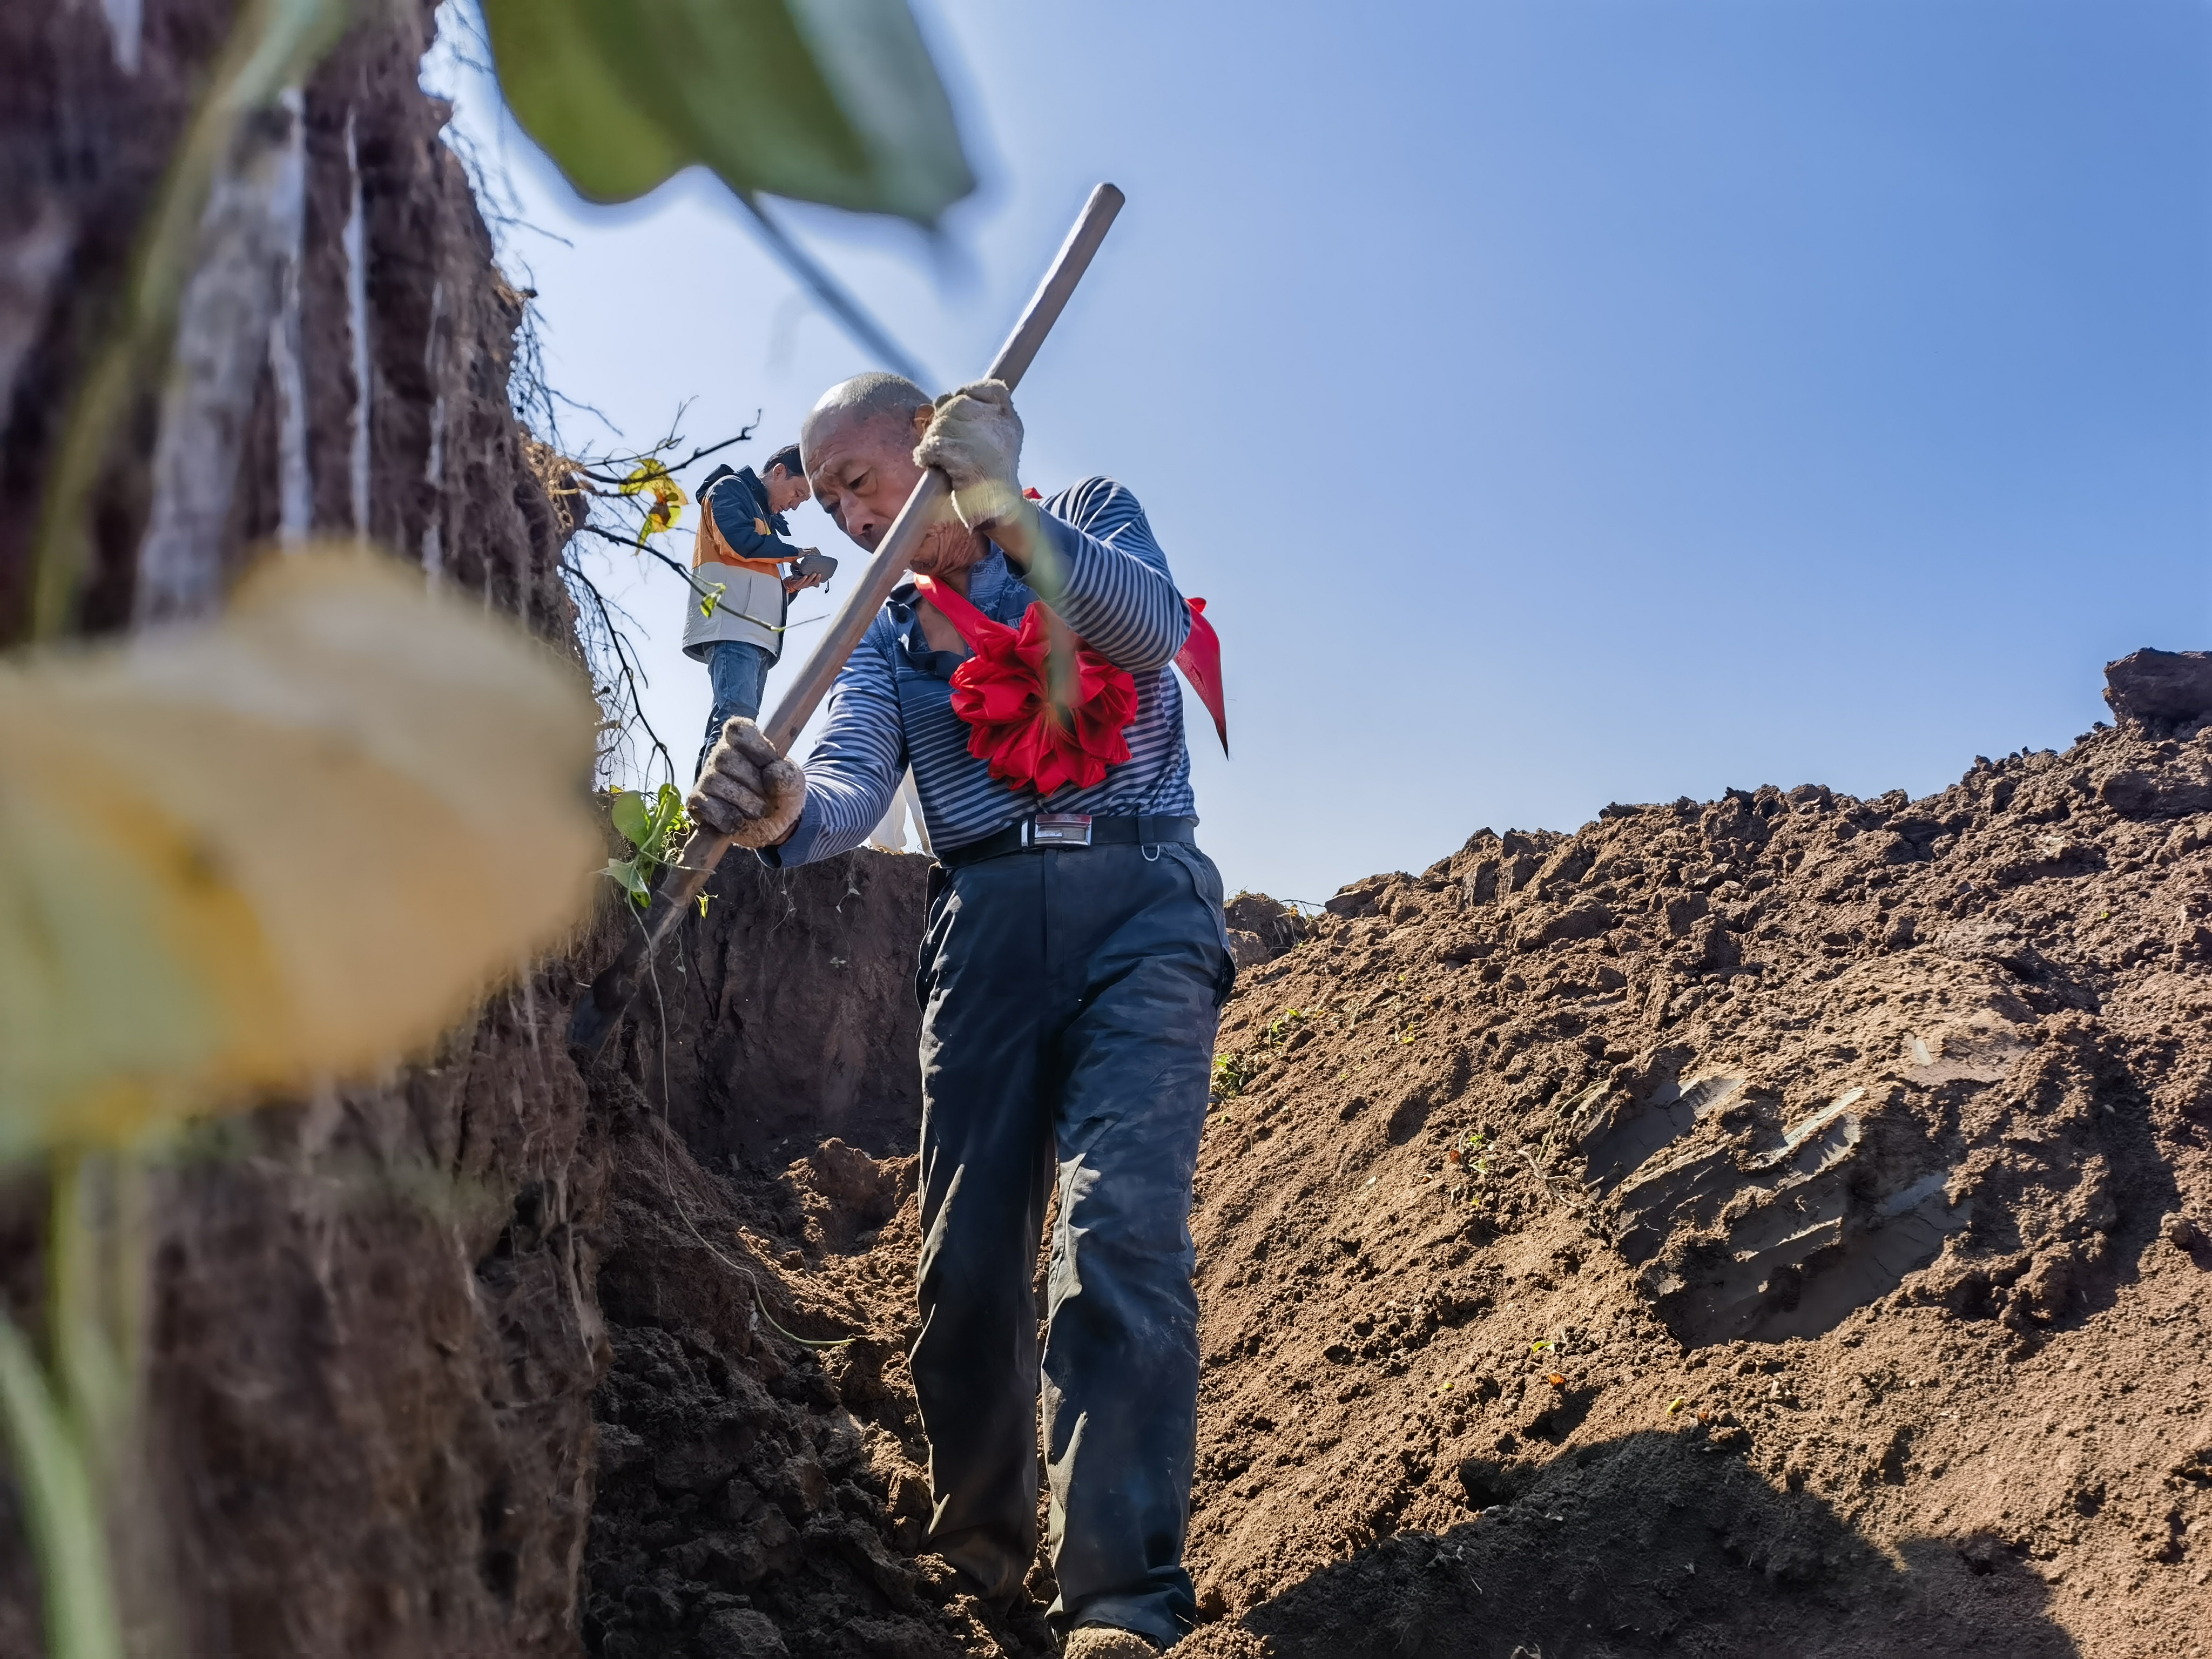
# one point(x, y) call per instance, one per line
point(633, 817)
point(819, 100)
point(60, 1507)
point(626, 875)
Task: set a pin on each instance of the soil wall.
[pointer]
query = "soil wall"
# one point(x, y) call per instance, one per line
point(374, 1333)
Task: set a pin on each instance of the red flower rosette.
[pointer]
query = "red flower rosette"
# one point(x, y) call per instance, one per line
point(1001, 694)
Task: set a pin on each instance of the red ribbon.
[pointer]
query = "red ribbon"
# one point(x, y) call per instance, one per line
point(1201, 662)
point(1001, 692)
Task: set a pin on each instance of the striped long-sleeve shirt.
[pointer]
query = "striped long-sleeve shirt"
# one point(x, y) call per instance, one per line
point(892, 708)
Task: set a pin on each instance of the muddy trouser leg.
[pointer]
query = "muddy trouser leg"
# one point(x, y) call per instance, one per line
point(1070, 1001)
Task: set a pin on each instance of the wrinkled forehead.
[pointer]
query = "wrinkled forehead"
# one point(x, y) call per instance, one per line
point(831, 439)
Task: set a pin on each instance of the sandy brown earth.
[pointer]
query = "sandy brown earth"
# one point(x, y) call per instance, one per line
point(1735, 1228)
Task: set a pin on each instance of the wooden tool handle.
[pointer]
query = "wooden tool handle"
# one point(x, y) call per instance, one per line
point(597, 1013)
point(920, 512)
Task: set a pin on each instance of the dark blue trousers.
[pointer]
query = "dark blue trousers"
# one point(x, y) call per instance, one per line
point(738, 670)
point(1069, 1002)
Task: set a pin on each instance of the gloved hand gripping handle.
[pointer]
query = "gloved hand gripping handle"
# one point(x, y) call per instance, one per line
point(600, 1010)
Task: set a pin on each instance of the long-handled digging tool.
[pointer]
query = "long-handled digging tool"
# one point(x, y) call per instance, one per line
point(600, 1011)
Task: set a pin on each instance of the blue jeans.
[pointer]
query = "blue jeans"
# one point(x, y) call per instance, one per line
point(738, 670)
point(1069, 1003)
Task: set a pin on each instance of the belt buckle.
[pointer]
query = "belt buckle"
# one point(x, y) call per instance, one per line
point(1056, 829)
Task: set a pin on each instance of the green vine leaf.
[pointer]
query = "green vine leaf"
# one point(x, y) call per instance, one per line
point(633, 817)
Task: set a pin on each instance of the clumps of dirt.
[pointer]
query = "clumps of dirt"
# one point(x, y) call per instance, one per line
point(1260, 928)
point(1737, 1227)
point(760, 1494)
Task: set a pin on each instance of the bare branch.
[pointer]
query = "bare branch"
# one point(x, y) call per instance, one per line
point(632, 676)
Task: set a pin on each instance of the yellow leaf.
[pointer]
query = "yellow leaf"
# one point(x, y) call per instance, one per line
point(652, 478)
point(297, 841)
point(644, 476)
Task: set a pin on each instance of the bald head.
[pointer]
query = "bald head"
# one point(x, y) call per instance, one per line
point(858, 444)
point(865, 400)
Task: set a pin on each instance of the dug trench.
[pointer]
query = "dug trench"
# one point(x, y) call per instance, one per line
point(1759, 1226)
point(1771, 1225)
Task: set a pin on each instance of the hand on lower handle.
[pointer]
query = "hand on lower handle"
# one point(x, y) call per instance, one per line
point(748, 792)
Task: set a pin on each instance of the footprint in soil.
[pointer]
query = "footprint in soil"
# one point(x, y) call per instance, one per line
point(1652, 1544)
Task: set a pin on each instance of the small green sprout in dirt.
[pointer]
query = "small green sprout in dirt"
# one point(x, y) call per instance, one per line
point(1229, 1076)
point(1280, 1027)
point(651, 829)
point(1471, 1153)
point(1674, 1405)
point(1537, 1347)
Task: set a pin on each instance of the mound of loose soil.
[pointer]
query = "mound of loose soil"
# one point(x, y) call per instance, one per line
point(1747, 1228)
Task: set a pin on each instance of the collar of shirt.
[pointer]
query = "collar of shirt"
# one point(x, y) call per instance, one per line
point(992, 589)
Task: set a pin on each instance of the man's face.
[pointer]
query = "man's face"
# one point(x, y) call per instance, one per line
point(786, 489)
point(863, 471)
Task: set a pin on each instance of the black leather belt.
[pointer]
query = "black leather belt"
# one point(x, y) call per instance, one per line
point(1052, 831)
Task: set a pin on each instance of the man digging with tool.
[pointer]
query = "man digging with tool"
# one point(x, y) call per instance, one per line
point(1072, 969)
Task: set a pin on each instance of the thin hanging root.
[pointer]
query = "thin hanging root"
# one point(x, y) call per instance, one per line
point(668, 1186)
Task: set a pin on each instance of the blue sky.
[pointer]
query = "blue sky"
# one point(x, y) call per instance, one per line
point(1556, 402)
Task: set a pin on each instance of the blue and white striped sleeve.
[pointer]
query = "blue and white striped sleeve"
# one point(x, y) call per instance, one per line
point(1120, 597)
point(855, 765)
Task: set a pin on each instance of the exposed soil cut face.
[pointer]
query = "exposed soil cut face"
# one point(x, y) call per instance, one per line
point(791, 1011)
point(373, 1333)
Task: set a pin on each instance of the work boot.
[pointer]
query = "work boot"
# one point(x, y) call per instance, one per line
point(1105, 1641)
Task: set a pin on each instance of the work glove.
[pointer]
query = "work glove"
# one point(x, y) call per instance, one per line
point(748, 792)
point(975, 440)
